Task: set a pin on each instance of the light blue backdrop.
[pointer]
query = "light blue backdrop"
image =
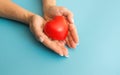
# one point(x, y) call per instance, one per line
point(98, 24)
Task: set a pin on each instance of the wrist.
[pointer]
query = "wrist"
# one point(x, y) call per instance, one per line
point(46, 9)
point(48, 4)
point(28, 17)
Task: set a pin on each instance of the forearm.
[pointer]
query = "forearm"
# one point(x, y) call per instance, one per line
point(12, 11)
point(47, 4)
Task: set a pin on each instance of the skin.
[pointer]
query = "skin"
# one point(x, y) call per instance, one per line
point(36, 23)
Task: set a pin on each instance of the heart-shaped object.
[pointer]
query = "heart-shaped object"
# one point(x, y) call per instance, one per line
point(57, 28)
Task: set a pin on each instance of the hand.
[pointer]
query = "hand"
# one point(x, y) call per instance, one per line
point(36, 27)
point(52, 11)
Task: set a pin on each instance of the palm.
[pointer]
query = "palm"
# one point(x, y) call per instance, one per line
point(36, 26)
point(72, 38)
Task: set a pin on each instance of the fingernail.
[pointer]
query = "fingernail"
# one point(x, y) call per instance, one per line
point(72, 20)
point(61, 54)
point(41, 39)
point(67, 56)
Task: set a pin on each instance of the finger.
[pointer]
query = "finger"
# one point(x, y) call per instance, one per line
point(72, 28)
point(55, 46)
point(69, 16)
point(62, 42)
point(73, 33)
point(67, 42)
point(65, 51)
point(72, 43)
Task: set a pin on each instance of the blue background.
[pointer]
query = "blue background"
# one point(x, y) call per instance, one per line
point(98, 24)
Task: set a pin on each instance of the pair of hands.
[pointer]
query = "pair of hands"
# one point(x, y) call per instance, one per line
point(37, 24)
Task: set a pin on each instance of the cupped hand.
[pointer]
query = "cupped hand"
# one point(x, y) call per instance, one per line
point(52, 11)
point(36, 27)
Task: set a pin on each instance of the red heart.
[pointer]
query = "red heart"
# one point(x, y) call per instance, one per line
point(57, 28)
